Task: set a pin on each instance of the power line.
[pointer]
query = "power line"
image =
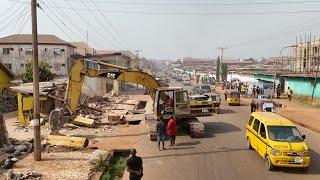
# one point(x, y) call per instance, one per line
point(105, 18)
point(186, 12)
point(201, 4)
point(21, 24)
point(102, 25)
point(279, 34)
point(8, 9)
point(54, 22)
point(16, 18)
point(86, 21)
point(52, 12)
point(71, 22)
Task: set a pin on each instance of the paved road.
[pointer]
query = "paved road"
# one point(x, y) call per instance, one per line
point(222, 154)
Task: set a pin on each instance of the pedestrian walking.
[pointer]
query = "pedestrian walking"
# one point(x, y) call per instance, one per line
point(161, 131)
point(290, 92)
point(278, 91)
point(172, 130)
point(135, 166)
point(254, 91)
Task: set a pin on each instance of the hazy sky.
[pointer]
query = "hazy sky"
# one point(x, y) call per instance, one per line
point(172, 29)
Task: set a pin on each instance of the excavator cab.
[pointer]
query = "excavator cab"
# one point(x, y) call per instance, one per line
point(171, 101)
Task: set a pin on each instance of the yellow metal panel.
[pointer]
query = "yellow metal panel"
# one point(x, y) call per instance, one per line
point(4, 81)
point(81, 121)
point(75, 85)
point(78, 142)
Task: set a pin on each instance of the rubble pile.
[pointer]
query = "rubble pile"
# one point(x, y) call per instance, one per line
point(107, 110)
point(13, 152)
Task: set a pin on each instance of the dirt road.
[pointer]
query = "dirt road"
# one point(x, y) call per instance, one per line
point(222, 154)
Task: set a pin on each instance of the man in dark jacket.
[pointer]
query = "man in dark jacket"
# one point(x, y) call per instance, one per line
point(134, 166)
point(161, 131)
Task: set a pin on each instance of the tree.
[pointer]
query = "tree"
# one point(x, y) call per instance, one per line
point(224, 71)
point(44, 72)
point(218, 70)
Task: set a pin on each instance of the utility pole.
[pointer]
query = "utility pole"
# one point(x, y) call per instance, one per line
point(275, 69)
point(221, 57)
point(36, 102)
point(315, 77)
point(137, 58)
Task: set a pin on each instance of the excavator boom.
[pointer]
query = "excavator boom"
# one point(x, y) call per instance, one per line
point(78, 72)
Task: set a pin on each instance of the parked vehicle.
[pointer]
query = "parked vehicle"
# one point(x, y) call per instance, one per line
point(277, 140)
point(263, 105)
point(233, 97)
point(201, 89)
point(186, 80)
point(201, 104)
point(216, 101)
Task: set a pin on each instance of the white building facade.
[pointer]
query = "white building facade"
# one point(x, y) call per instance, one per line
point(16, 51)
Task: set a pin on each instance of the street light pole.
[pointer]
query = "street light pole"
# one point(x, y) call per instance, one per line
point(275, 69)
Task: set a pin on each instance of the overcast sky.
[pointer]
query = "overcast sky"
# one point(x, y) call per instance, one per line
point(165, 29)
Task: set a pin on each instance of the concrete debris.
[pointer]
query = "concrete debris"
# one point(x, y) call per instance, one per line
point(82, 121)
point(11, 175)
point(13, 152)
point(68, 141)
point(99, 156)
point(135, 117)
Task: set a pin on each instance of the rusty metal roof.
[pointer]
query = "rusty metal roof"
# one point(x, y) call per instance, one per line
point(27, 39)
point(6, 70)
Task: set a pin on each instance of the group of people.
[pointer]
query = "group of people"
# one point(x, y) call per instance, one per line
point(135, 164)
point(256, 91)
point(164, 130)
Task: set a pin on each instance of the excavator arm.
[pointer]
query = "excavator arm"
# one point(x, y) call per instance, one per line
point(78, 72)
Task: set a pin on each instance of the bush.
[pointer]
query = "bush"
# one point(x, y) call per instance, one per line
point(44, 72)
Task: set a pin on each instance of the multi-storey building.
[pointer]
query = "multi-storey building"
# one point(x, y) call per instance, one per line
point(16, 51)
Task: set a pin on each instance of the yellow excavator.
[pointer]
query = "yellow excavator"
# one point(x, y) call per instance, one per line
point(167, 100)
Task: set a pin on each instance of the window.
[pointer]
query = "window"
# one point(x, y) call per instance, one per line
point(57, 66)
point(284, 133)
point(262, 131)
point(45, 49)
point(11, 49)
point(62, 50)
point(20, 49)
point(6, 51)
point(22, 65)
point(250, 120)
point(256, 125)
point(63, 65)
point(9, 66)
point(56, 51)
point(29, 50)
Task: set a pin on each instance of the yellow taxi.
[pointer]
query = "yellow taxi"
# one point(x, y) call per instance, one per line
point(277, 140)
point(233, 97)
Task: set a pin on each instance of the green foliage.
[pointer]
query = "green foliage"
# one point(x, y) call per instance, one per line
point(224, 71)
point(117, 167)
point(113, 169)
point(44, 72)
point(218, 70)
point(106, 176)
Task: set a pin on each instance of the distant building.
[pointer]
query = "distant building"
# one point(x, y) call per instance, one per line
point(100, 86)
point(307, 57)
point(198, 62)
point(83, 48)
point(16, 51)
